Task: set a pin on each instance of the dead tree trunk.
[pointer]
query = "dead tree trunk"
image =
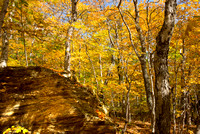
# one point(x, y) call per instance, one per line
point(162, 88)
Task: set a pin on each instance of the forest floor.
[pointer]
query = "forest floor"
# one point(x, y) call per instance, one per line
point(141, 127)
point(136, 127)
point(41, 91)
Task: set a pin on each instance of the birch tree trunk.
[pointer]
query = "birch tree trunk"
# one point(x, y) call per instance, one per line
point(3, 13)
point(162, 88)
point(67, 58)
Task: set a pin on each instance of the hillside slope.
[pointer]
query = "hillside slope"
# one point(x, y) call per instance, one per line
point(43, 101)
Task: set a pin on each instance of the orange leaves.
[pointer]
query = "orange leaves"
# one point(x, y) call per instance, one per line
point(100, 114)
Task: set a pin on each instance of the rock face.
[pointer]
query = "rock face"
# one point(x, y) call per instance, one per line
point(43, 101)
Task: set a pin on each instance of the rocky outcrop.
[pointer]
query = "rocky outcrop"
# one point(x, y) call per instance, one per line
point(43, 101)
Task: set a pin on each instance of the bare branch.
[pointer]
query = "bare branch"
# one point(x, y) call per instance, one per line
point(130, 34)
point(120, 2)
point(110, 37)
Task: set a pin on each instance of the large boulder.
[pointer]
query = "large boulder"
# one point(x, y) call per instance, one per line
point(43, 101)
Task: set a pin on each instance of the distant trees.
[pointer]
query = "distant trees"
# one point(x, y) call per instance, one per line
point(122, 51)
point(162, 88)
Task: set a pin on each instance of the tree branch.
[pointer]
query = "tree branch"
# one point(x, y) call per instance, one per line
point(130, 34)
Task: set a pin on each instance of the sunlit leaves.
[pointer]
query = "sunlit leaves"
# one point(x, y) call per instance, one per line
point(46, 25)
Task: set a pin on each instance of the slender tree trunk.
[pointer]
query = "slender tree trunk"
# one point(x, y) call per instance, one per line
point(141, 57)
point(25, 49)
point(183, 85)
point(127, 109)
point(93, 69)
point(150, 63)
point(197, 112)
point(67, 58)
point(162, 88)
point(84, 75)
point(112, 57)
point(4, 49)
point(3, 13)
point(23, 36)
point(101, 95)
point(174, 93)
point(128, 81)
point(113, 105)
point(101, 70)
point(123, 104)
point(79, 63)
point(189, 116)
point(31, 53)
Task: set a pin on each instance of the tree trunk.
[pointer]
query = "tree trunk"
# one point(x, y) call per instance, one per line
point(162, 88)
point(197, 111)
point(93, 69)
point(101, 69)
point(183, 85)
point(31, 53)
point(141, 57)
point(3, 13)
point(109, 72)
point(174, 93)
point(150, 63)
point(23, 36)
point(4, 49)
point(113, 105)
point(67, 58)
point(67, 62)
point(127, 109)
point(128, 87)
point(79, 63)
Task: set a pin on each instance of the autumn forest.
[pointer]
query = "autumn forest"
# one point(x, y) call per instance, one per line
point(140, 57)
